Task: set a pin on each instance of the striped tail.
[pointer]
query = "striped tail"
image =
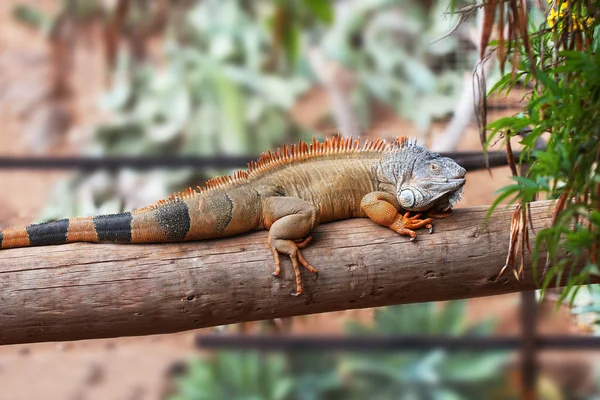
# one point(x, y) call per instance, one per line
point(211, 214)
point(115, 228)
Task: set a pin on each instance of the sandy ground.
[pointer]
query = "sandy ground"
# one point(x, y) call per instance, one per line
point(134, 368)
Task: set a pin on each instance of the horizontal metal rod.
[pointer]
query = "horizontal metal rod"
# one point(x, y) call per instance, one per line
point(391, 343)
point(469, 160)
point(118, 162)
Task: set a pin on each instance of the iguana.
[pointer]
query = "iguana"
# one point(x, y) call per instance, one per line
point(289, 192)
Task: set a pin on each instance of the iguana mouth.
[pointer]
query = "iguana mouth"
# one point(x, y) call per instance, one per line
point(449, 192)
point(446, 180)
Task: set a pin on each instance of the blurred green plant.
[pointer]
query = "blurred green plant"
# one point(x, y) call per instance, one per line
point(586, 308)
point(236, 376)
point(388, 45)
point(229, 74)
point(435, 374)
point(211, 96)
point(561, 69)
point(36, 18)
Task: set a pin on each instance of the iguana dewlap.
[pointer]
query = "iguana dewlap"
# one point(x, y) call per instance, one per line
point(288, 192)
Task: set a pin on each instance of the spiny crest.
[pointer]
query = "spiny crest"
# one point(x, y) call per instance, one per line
point(335, 145)
point(287, 154)
point(211, 184)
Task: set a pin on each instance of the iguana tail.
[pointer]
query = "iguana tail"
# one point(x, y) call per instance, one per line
point(186, 216)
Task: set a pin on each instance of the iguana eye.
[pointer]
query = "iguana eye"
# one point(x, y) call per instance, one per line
point(434, 167)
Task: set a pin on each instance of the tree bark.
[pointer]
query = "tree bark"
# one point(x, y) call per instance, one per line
point(84, 291)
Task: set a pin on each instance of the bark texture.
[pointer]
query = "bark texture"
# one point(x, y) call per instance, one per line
point(83, 291)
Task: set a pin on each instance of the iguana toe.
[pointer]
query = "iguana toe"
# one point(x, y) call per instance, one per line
point(405, 225)
point(277, 262)
point(291, 248)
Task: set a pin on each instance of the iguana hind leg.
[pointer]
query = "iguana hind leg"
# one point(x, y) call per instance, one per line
point(290, 220)
point(382, 208)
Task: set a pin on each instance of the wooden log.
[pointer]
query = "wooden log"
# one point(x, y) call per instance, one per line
point(84, 291)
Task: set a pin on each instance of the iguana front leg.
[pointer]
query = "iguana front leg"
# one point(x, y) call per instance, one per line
point(382, 208)
point(290, 220)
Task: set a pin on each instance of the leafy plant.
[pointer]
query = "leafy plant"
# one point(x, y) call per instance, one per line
point(236, 376)
point(424, 374)
point(220, 87)
point(309, 375)
point(212, 96)
point(388, 44)
point(561, 68)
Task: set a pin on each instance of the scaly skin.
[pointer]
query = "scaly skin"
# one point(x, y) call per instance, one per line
point(289, 193)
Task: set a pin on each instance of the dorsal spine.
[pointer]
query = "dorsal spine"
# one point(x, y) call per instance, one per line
point(288, 154)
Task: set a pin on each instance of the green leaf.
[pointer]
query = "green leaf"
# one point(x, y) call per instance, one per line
point(420, 76)
point(291, 42)
point(505, 83)
point(232, 136)
point(451, 320)
point(476, 367)
point(548, 82)
point(322, 9)
point(32, 16)
point(505, 192)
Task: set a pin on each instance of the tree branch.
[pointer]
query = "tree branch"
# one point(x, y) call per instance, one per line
point(83, 291)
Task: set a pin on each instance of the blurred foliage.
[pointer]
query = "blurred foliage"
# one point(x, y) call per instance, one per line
point(305, 375)
point(586, 308)
point(560, 66)
point(80, 9)
point(388, 45)
point(230, 72)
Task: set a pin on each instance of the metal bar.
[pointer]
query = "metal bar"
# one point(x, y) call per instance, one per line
point(470, 160)
point(117, 162)
point(529, 370)
point(390, 343)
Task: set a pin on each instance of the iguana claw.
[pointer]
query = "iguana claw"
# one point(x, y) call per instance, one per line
point(404, 225)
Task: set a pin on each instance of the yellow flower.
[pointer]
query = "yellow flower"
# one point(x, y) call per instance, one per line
point(559, 9)
point(589, 21)
point(563, 8)
point(552, 17)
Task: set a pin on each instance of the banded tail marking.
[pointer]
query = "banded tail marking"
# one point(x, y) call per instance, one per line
point(114, 228)
point(174, 220)
point(48, 233)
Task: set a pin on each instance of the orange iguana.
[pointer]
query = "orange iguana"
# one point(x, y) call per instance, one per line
point(288, 192)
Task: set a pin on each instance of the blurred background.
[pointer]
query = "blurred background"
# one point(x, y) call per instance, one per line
point(222, 81)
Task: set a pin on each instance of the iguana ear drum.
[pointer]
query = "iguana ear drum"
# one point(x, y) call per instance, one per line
point(406, 198)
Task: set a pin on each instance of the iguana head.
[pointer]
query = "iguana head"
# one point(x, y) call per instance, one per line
point(424, 180)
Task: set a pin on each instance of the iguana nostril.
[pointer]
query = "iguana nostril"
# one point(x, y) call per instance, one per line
point(461, 173)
